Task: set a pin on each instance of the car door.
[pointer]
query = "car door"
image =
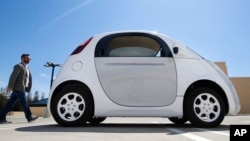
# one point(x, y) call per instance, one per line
point(136, 69)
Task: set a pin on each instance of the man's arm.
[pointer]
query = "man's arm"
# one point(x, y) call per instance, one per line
point(13, 77)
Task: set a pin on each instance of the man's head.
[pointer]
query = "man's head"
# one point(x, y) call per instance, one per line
point(25, 58)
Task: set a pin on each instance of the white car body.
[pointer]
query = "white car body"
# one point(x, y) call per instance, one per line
point(129, 86)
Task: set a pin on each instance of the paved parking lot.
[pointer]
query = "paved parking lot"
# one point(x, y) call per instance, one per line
point(113, 129)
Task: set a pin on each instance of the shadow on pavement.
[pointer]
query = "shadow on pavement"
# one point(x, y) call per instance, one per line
point(120, 128)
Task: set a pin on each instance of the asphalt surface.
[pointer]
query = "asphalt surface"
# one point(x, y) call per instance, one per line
point(113, 129)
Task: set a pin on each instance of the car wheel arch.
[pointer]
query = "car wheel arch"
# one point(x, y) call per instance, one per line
point(72, 82)
point(207, 84)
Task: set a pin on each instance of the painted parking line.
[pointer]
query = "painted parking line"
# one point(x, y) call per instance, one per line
point(188, 135)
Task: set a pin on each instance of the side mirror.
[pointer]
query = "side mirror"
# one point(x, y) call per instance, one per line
point(175, 50)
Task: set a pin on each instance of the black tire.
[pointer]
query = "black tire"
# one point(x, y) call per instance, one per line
point(178, 120)
point(96, 120)
point(204, 107)
point(72, 106)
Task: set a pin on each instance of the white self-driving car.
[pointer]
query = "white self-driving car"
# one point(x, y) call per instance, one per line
point(140, 74)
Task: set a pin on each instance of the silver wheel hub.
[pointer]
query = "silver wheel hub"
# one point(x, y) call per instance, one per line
point(207, 107)
point(71, 107)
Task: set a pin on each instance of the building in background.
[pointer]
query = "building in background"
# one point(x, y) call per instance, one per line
point(242, 86)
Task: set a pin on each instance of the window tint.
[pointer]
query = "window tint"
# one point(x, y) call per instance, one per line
point(133, 46)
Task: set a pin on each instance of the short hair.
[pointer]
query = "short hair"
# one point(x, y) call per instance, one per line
point(24, 55)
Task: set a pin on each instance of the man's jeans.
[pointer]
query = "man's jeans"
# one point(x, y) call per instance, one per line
point(13, 98)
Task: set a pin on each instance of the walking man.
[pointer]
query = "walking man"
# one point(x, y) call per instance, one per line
point(20, 82)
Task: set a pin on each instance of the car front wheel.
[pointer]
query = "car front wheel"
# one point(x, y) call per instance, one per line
point(72, 106)
point(205, 107)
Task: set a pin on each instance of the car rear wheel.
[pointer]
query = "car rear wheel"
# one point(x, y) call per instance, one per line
point(205, 107)
point(72, 106)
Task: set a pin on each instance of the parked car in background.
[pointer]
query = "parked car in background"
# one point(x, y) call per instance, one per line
point(140, 74)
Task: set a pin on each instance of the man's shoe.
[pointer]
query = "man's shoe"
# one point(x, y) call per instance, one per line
point(4, 121)
point(32, 118)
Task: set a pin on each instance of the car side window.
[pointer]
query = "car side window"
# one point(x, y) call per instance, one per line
point(131, 45)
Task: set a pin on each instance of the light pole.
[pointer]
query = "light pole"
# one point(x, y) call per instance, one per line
point(50, 64)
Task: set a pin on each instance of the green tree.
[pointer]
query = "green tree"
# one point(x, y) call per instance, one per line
point(43, 96)
point(36, 96)
point(29, 97)
point(3, 99)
